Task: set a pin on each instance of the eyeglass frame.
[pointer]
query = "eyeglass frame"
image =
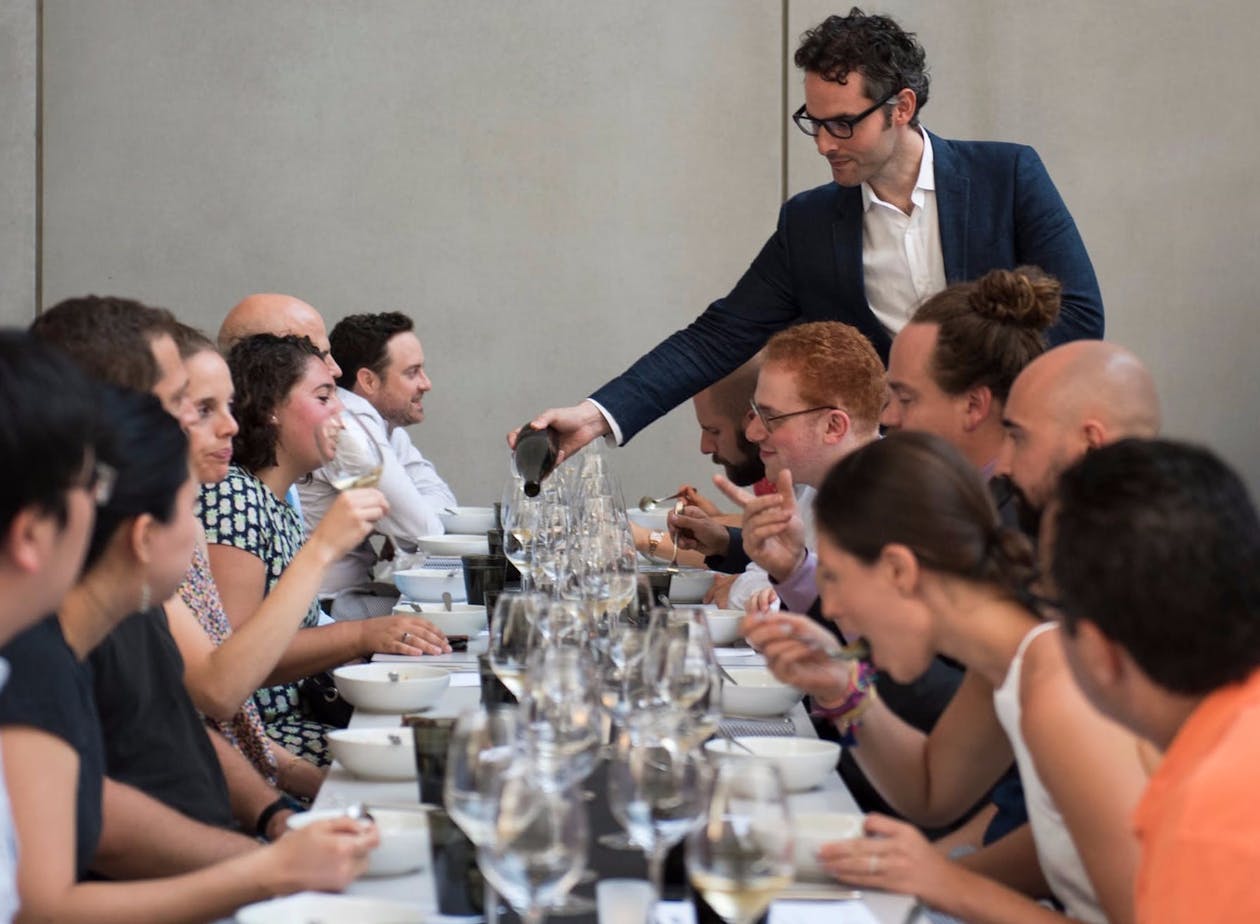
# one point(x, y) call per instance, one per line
point(804, 121)
point(773, 419)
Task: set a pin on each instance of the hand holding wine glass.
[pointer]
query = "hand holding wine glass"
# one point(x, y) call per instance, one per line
point(352, 458)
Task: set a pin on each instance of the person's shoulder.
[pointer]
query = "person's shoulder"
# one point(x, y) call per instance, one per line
point(36, 692)
point(820, 199)
point(37, 645)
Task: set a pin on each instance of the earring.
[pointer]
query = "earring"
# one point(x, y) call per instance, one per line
point(146, 597)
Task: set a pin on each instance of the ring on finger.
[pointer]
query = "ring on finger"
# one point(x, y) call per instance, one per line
point(406, 635)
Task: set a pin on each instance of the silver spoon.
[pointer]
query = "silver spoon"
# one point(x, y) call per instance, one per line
point(648, 504)
point(359, 812)
point(446, 600)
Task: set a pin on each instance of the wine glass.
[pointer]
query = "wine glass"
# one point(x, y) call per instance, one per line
point(680, 663)
point(519, 522)
point(351, 457)
point(741, 858)
point(482, 749)
point(536, 848)
point(510, 634)
point(656, 786)
point(561, 713)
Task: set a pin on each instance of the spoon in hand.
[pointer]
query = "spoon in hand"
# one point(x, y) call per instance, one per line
point(648, 504)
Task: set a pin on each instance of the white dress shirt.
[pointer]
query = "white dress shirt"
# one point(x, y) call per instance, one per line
point(415, 491)
point(902, 262)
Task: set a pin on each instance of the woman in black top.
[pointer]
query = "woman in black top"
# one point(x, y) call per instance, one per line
point(52, 748)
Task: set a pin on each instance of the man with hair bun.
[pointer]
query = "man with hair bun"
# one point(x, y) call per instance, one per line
point(951, 368)
point(906, 213)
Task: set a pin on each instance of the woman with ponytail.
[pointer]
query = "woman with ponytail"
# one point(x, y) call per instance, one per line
point(914, 560)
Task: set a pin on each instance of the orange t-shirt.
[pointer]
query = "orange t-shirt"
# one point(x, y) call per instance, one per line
point(1199, 819)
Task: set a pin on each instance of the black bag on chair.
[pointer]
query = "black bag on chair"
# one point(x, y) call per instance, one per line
point(322, 702)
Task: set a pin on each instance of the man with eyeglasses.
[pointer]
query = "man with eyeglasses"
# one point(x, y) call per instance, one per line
point(907, 213)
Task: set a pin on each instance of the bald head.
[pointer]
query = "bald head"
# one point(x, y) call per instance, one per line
point(1076, 397)
point(270, 313)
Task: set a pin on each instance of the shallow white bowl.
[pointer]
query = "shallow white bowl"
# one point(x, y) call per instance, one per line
point(811, 830)
point(723, 625)
point(367, 686)
point(756, 692)
point(426, 585)
point(375, 753)
point(313, 906)
point(454, 544)
point(690, 585)
point(803, 762)
point(462, 619)
point(468, 520)
point(404, 846)
point(653, 520)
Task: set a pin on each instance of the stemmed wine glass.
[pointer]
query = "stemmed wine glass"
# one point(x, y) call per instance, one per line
point(536, 849)
point(681, 665)
point(351, 457)
point(656, 786)
point(484, 744)
point(510, 638)
point(741, 858)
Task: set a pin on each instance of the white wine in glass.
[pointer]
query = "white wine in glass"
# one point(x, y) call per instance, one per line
point(741, 858)
point(352, 458)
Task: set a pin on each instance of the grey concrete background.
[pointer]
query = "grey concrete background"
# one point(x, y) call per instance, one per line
point(549, 188)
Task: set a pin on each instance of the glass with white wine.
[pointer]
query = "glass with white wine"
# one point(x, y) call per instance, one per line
point(740, 859)
point(352, 458)
point(510, 631)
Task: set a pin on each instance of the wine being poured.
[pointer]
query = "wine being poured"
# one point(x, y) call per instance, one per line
point(535, 456)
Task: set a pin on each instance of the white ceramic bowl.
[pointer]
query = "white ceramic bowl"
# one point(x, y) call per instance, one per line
point(368, 686)
point(652, 520)
point(375, 753)
point(723, 625)
point(803, 762)
point(476, 521)
point(463, 618)
point(426, 585)
point(453, 544)
point(756, 692)
point(404, 846)
point(813, 829)
point(690, 585)
point(315, 906)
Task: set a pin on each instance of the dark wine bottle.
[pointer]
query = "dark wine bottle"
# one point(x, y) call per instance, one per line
point(535, 456)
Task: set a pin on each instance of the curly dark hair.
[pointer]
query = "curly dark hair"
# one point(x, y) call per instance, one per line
point(1157, 543)
point(108, 337)
point(361, 341)
point(990, 329)
point(915, 489)
point(264, 370)
point(887, 57)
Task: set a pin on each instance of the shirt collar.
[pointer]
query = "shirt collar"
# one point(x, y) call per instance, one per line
point(360, 406)
point(926, 181)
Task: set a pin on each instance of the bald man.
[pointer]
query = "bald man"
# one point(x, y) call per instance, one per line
point(1069, 400)
point(270, 313)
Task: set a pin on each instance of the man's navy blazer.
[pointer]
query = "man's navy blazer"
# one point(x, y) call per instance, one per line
point(997, 208)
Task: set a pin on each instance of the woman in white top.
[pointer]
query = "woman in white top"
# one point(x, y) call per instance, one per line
point(912, 558)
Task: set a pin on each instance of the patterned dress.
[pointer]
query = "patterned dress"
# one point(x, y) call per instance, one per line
point(245, 730)
point(242, 512)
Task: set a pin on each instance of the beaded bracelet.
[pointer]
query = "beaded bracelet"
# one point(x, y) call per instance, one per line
point(848, 715)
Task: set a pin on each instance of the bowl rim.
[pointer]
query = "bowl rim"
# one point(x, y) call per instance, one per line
point(430, 673)
point(824, 746)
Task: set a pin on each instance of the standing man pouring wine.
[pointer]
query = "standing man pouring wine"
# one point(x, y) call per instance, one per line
point(906, 214)
point(382, 387)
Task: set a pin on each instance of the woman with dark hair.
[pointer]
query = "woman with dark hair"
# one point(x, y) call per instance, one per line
point(913, 559)
point(285, 395)
point(53, 751)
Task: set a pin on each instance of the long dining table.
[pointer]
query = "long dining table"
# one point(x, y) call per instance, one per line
point(342, 789)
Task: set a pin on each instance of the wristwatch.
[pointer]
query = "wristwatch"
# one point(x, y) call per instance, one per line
point(654, 539)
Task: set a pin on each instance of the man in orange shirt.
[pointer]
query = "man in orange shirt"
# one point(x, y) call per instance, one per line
point(1156, 558)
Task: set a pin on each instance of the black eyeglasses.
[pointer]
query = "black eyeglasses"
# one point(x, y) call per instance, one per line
point(838, 127)
point(775, 418)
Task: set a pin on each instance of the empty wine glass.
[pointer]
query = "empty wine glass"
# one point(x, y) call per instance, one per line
point(510, 638)
point(741, 858)
point(351, 457)
point(561, 713)
point(681, 665)
point(657, 787)
point(537, 846)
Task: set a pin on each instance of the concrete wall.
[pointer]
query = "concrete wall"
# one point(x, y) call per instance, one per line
point(551, 187)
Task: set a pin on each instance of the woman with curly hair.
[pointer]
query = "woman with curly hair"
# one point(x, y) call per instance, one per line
point(284, 396)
